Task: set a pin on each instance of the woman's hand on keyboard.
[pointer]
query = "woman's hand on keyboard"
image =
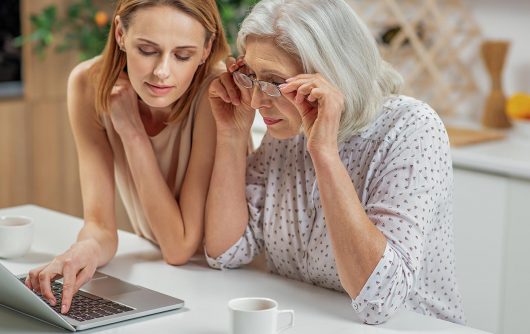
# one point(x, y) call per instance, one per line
point(76, 266)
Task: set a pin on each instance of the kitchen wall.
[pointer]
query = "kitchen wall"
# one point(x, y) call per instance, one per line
point(508, 19)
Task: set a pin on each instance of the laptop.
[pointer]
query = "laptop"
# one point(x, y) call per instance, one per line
point(103, 300)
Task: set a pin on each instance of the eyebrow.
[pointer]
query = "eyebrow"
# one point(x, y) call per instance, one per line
point(177, 47)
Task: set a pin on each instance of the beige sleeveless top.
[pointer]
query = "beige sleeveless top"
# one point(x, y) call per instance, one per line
point(172, 148)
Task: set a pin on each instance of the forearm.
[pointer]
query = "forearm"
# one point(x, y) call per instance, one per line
point(357, 243)
point(176, 238)
point(226, 208)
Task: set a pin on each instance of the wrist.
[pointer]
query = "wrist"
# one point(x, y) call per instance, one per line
point(134, 137)
point(324, 155)
point(233, 138)
point(325, 163)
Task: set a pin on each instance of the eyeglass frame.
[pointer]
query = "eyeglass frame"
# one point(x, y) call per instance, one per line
point(260, 83)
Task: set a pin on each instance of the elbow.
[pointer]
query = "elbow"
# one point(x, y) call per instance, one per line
point(178, 256)
point(374, 321)
point(176, 260)
point(373, 316)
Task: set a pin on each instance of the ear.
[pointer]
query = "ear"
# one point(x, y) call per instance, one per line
point(119, 32)
point(208, 49)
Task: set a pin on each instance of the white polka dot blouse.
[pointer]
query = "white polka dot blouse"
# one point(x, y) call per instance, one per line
point(401, 169)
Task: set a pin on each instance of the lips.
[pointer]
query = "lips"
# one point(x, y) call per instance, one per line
point(271, 121)
point(158, 90)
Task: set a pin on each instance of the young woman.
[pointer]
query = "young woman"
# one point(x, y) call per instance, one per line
point(351, 188)
point(141, 120)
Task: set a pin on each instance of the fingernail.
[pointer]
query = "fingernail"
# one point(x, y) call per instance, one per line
point(282, 86)
point(51, 301)
point(289, 80)
point(63, 308)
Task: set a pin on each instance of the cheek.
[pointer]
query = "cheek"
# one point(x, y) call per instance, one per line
point(182, 74)
point(138, 69)
point(293, 120)
point(289, 112)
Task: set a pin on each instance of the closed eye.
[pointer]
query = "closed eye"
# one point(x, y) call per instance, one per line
point(182, 58)
point(147, 51)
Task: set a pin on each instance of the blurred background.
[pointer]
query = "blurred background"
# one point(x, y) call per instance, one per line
point(453, 54)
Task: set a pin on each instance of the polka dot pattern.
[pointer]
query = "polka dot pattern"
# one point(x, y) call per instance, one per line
point(401, 169)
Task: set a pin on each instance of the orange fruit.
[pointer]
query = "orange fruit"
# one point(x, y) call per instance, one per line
point(518, 106)
point(101, 18)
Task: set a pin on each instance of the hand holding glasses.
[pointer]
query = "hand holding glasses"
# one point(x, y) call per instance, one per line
point(247, 81)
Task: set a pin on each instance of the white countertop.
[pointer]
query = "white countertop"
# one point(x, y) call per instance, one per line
point(508, 157)
point(206, 291)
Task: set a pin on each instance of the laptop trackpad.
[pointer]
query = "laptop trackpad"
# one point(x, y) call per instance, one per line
point(108, 286)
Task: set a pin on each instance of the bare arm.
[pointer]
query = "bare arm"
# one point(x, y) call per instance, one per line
point(177, 226)
point(226, 210)
point(358, 244)
point(97, 241)
point(95, 163)
point(369, 247)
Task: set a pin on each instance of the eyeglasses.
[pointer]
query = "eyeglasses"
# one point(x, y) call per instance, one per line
point(268, 88)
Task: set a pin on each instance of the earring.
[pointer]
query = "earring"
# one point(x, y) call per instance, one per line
point(122, 48)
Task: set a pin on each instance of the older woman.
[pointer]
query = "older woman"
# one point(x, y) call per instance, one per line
point(351, 186)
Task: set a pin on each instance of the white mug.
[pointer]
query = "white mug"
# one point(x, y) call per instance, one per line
point(16, 234)
point(256, 316)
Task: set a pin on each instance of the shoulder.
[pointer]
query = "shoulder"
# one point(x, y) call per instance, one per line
point(81, 92)
point(203, 102)
point(82, 72)
point(402, 116)
point(80, 80)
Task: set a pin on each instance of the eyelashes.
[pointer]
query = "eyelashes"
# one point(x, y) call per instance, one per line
point(151, 53)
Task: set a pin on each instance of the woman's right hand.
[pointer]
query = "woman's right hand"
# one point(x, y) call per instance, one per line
point(77, 266)
point(231, 103)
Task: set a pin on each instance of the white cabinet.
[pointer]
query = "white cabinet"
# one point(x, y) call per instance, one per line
point(492, 242)
point(516, 307)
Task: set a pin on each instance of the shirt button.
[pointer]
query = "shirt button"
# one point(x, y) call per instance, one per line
point(355, 306)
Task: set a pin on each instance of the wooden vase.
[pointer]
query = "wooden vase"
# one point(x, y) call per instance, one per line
point(494, 54)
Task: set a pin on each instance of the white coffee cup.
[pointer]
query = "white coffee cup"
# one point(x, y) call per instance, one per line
point(256, 316)
point(16, 234)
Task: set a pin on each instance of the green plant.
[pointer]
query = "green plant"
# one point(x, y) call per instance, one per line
point(232, 13)
point(84, 27)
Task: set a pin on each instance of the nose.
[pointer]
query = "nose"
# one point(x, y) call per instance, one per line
point(161, 70)
point(259, 99)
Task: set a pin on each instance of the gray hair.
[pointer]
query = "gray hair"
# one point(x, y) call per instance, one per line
point(328, 38)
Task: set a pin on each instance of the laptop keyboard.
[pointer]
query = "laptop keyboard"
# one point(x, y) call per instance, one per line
point(84, 306)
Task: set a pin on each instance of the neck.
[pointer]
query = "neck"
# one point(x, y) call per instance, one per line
point(154, 114)
point(154, 119)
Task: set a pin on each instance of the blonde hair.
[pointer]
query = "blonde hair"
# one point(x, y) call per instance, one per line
point(113, 61)
point(328, 38)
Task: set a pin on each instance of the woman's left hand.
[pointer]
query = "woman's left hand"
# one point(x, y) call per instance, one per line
point(320, 104)
point(125, 113)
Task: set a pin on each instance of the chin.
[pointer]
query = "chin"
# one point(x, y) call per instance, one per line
point(157, 102)
point(282, 135)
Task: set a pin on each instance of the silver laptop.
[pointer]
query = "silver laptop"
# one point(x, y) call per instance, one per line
point(103, 300)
